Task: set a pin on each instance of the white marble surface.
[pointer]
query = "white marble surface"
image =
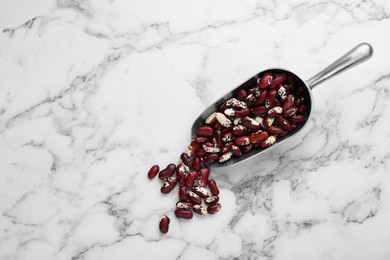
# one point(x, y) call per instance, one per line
point(92, 93)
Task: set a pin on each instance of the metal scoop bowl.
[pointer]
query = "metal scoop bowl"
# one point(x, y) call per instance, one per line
point(357, 55)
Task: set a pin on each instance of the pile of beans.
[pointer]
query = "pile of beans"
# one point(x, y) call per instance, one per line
point(254, 119)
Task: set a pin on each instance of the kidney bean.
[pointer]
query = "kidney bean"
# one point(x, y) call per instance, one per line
point(251, 100)
point(193, 148)
point(203, 178)
point(210, 147)
point(278, 79)
point(261, 98)
point(227, 136)
point(234, 103)
point(184, 205)
point(250, 123)
point(194, 197)
point(302, 109)
point(209, 158)
point(223, 120)
point(200, 191)
point(236, 151)
point(268, 121)
point(258, 137)
point(201, 152)
point(213, 208)
point(218, 137)
point(168, 185)
point(183, 193)
point(180, 173)
point(211, 119)
point(254, 90)
point(237, 121)
point(167, 172)
point(259, 111)
point(275, 111)
point(183, 213)
point(211, 200)
point(242, 140)
point(186, 161)
point(270, 99)
point(153, 171)
point(201, 139)
point(164, 224)
point(199, 210)
point(225, 157)
point(282, 93)
point(191, 177)
point(205, 130)
point(269, 141)
point(265, 80)
point(297, 119)
point(217, 125)
point(239, 130)
point(238, 113)
point(291, 111)
point(213, 187)
point(246, 148)
point(196, 163)
point(288, 103)
point(241, 95)
point(284, 123)
point(226, 147)
point(276, 130)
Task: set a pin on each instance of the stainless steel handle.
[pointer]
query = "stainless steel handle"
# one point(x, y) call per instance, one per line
point(357, 55)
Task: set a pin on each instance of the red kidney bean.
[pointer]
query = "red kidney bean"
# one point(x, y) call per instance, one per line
point(180, 173)
point(211, 119)
point(282, 93)
point(302, 109)
point(258, 137)
point(205, 130)
point(194, 197)
point(291, 111)
point(270, 99)
point(201, 152)
point(297, 119)
point(288, 103)
point(236, 151)
point(284, 123)
point(269, 141)
point(242, 112)
point(265, 80)
point(227, 136)
point(191, 177)
point(278, 79)
point(268, 121)
point(183, 193)
point(241, 95)
point(183, 213)
point(217, 126)
point(201, 139)
point(167, 172)
point(184, 205)
point(153, 171)
point(192, 148)
point(246, 148)
point(168, 185)
point(226, 147)
point(200, 191)
point(225, 157)
point(242, 140)
point(276, 130)
point(210, 147)
point(250, 123)
point(164, 224)
point(259, 111)
point(223, 120)
point(213, 187)
point(261, 98)
point(211, 200)
point(218, 137)
point(239, 130)
point(196, 163)
point(203, 178)
point(275, 111)
point(213, 208)
point(251, 100)
point(254, 90)
point(234, 103)
point(199, 210)
point(209, 158)
point(186, 160)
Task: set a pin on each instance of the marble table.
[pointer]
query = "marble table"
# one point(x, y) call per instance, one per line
point(93, 93)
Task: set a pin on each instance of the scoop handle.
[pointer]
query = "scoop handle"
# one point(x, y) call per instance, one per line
point(357, 55)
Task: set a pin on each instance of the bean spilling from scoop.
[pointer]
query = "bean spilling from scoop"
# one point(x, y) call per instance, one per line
point(254, 119)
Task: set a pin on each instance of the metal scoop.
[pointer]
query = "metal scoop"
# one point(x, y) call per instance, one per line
point(357, 55)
